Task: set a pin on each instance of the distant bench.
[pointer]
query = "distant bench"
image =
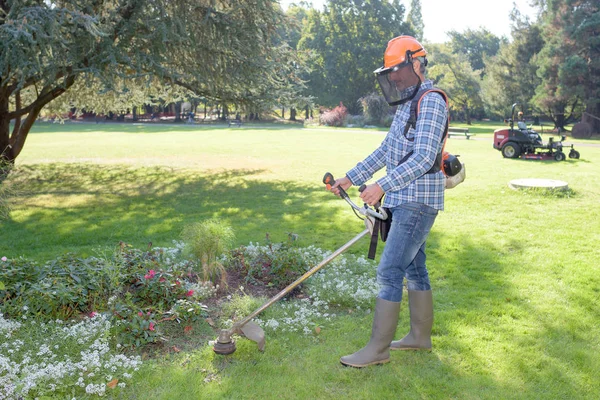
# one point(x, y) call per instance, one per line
point(234, 122)
point(460, 132)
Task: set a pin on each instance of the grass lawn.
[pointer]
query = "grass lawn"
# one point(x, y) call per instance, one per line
point(516, 276)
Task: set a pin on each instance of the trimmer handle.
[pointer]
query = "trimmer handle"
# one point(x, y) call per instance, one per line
point(329, 181)
point(377, 205)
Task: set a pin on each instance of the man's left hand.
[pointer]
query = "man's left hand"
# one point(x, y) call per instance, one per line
point(372, 194)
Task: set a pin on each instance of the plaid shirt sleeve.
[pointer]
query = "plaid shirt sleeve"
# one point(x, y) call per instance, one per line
point(408, 181)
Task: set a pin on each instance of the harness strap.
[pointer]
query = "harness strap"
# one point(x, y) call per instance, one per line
point(374, 240)
point(415, 106)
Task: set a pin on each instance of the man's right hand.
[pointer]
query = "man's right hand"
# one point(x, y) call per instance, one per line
point(344, 183)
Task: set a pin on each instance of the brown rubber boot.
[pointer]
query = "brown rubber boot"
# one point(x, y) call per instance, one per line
point(377, 351)
point(420, 304)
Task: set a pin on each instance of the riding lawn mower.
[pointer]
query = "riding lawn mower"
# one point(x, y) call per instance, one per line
point(526, 143)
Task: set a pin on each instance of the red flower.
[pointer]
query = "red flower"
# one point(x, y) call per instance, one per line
point(93, 314)
point(177, 283)
point(189, 293)
point(162, 279)
point(141, 314)
point(150, 274)
point(151, 327)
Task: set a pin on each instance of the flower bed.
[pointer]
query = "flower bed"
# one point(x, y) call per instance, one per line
point(66, 326)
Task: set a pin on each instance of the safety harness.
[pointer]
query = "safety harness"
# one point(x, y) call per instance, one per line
point(382, 228)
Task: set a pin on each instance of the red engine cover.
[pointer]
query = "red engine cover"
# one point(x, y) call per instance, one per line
point(500, 137)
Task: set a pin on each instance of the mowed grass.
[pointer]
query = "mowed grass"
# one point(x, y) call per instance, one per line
point(515, 274)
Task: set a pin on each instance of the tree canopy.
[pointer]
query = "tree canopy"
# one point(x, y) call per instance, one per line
point(218, 49)
point(348, 39)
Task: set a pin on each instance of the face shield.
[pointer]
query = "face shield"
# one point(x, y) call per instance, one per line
point(399, 83)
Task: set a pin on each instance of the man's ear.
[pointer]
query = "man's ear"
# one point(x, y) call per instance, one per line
point(417, 67)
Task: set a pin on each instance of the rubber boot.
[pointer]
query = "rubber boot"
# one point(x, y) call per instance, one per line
point(420, 304)
point(377, 351)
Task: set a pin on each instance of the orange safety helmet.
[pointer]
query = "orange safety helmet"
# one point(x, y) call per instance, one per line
point(398, 59)
point(402, 49)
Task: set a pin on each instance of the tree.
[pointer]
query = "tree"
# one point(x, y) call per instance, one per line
point(454, 75)
point(475, 45)
point(348, 40)
point(222, 50)
point(415, 19)
point(511, 75)
point(570, 60)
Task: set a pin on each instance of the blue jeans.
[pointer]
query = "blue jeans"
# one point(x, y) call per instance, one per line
point(404, 252)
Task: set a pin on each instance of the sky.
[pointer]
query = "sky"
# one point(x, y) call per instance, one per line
point(440, 16)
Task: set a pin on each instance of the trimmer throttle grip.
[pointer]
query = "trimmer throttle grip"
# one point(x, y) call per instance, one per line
point(362, 189)
point(329, 181)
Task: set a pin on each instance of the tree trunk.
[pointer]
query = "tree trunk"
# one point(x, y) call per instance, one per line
point(559, 121)
point(225, 112)
point(178, 111)
point(467, 115)
point(306, 115)
point(292, 114)
point(7, 158)
point(135, 113)
point(282, 112)
point(12, 144)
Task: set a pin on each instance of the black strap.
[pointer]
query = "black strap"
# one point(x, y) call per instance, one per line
point(374, 240)
point(412, 123)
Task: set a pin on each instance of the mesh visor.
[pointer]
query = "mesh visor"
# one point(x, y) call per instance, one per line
point(399, 83)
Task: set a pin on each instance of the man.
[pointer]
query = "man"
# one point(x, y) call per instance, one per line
point(414, 190)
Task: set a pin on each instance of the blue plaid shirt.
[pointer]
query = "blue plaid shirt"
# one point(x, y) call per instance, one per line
point(408, 182)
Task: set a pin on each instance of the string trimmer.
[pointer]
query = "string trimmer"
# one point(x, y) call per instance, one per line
point(245, 327)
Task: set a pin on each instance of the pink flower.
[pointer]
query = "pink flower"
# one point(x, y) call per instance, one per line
point(151, 327)
point(177, 283)
point(150, 274)
point(4, 258)
point(141, 314)
point(93, 314)
point(189, 293)
point(162, 279)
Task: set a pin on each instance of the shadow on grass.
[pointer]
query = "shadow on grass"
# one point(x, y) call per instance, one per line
point(79, 207)
point(496, 336)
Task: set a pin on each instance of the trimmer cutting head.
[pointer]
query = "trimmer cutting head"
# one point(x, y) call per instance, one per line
point(224, 344)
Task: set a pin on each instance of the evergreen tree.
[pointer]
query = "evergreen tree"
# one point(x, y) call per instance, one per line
point(415, 19)
point(511, 75)
point(570, 60)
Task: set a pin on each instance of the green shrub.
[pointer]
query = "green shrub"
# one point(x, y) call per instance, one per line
point(375, 108)
point(355, 121)
point(133, 326)
point(275, 265)
point(135, 287)
point(207, 241)
point(60, 289)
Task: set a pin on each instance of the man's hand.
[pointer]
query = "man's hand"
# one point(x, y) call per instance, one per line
point(372, 194)
point(344, 183)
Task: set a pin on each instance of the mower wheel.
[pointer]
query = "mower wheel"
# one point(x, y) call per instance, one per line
point(511, 150)
point(560, 156)
point(574, 154)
